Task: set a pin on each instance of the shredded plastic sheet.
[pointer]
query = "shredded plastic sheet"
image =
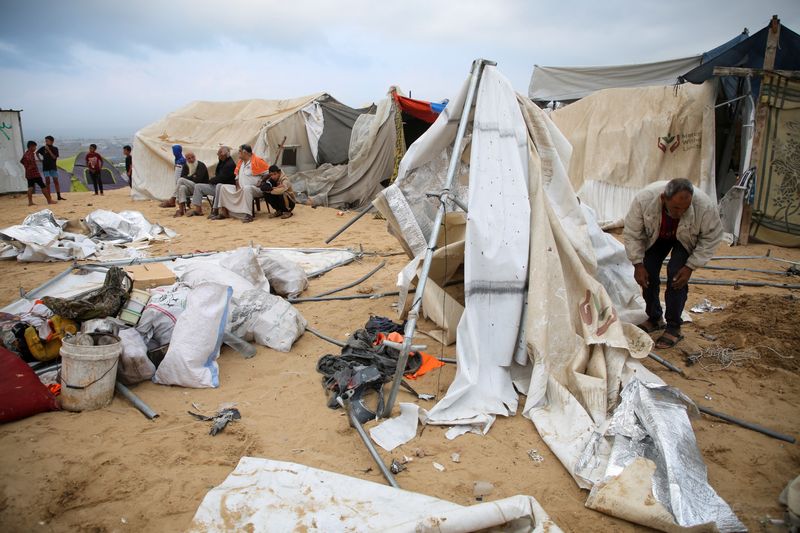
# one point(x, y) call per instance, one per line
point(396, 431)
point(266, 495)
point(41, 237)
point(125, 226)
point(650, 433)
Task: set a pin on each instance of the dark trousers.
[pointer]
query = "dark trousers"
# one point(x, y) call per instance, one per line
point(674, 299)
point(279, 202)
point(96, 181)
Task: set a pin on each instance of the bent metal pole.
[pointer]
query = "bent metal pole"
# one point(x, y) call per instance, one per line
point(413, 314)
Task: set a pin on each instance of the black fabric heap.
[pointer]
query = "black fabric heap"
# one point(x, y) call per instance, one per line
point(345, 374)
point(381, 324)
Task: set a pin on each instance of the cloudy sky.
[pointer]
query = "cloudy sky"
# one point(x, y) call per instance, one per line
point(99, 68)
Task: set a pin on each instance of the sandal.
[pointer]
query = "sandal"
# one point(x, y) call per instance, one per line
point(648, 326)
point(215, 217)
point(668, 340)
point(276, 214)
point(192, 213)
point(247, 219)
point(288, 214)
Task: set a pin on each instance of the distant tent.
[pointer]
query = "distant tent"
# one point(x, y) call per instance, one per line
point(66, 180)
point(334, 155)
point(417, 115)
point(109, 175)
point(12, 175)
point(203, 127)
point(630, 125)
point(776, 205)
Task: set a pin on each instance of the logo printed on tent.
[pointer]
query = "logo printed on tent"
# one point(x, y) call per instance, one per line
point(669, 140)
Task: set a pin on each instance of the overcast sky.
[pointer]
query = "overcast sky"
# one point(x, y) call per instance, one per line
point(99, 68)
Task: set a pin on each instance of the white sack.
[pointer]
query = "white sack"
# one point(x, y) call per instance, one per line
point(268, 319)
point(162, 311)
point(202, 272)
point(264, 495)
point(191, 360)
point(134, 365)
point(243, 262)
point(286, 277)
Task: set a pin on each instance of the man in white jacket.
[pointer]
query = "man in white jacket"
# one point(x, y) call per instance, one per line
point(674, 219)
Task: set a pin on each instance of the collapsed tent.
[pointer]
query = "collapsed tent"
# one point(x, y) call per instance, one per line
point(12, 174)
point(531, 314)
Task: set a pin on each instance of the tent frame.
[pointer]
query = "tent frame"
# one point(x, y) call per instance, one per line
point(411, 325)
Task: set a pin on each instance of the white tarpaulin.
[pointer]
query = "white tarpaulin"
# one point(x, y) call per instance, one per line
point(12, 174)
point(625, 139)
point(265, 495)
point(571, 83)
point(576, 353)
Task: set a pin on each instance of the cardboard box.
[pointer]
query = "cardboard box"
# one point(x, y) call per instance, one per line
point(149, 275)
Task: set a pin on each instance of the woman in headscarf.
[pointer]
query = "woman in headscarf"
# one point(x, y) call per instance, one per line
point(180, 162)
point(237, 200)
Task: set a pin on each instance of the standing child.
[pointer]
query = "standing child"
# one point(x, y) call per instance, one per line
point(94, 162)
point(126, 151)
point(32, 174)
point(48, 155)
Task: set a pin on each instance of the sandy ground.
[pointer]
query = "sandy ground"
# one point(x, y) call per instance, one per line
point(113, 470)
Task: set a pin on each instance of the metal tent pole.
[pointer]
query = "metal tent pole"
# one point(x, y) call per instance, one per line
point(413, 314)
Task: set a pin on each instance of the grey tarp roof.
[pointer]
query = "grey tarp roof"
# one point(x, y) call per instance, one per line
point(571, 83)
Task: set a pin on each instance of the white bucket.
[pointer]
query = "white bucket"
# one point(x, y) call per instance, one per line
point(88, 375)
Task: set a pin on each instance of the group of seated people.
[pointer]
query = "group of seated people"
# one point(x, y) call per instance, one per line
point(234, 186)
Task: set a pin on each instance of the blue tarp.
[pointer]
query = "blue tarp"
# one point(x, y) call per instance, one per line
point(749, 53)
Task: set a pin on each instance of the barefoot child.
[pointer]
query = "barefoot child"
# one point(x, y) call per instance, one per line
point(32, 174)
point(94, 162)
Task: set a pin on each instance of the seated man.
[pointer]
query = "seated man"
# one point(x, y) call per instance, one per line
point(676, 220)
point(237, 200)
point(194, 173)
point(224, 174)
point(278, 192)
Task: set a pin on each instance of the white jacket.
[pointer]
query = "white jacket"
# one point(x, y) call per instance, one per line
point(699, 230)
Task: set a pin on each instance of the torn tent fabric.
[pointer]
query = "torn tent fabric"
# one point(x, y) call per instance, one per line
point(535, 314)
point(266, 495)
